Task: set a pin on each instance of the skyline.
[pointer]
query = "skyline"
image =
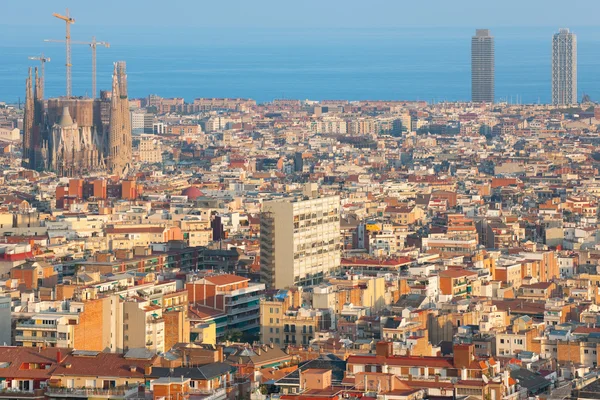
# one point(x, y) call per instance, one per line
point(406, 68)
point(325, 53)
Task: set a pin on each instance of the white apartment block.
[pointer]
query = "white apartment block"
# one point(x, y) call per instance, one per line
point(300, 241)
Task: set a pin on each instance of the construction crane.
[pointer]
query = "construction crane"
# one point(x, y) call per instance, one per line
point(68, 21)
point(43, 60)
point(93, 45)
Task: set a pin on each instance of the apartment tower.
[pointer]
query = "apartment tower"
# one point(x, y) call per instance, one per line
point(482, 67)
point(299, 241)
point(564, 68)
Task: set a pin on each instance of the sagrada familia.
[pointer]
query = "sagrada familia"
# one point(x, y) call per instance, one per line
point(72, 136)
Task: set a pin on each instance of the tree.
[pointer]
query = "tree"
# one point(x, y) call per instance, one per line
point(233, 335)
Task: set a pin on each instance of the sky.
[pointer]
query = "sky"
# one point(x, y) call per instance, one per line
point(277, 14)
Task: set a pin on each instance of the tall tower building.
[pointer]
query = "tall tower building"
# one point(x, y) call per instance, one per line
point(482, 67)
point(299, 241)
point(119, 140)
point(564, 68)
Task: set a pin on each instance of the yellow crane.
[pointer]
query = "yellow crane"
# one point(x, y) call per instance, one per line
point(43, 60)
point(93, 45)
point(68, 21)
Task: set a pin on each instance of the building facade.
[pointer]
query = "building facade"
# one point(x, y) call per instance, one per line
point(564, 68)
point(299, 241)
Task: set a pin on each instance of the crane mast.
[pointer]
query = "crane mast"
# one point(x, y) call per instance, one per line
point(68, 21)
point(93, 45)
point(43, 60)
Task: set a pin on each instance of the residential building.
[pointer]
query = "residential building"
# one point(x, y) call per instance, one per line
point(299, 241)
point(233, 295)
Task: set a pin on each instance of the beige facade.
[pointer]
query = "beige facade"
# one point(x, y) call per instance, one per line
point(144, 326)
point(300, 241)
point(150, 151)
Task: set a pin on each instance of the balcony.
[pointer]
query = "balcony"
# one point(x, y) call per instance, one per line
point(32, 326)
point(40, 339)
point(112, 393)
point(237, 319)
point(242, 300)
point(218, 394)
point(21, 394)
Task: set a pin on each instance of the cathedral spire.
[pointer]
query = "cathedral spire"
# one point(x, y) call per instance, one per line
point(119, 141)
point(39, 92)
point(28, 122)
point(115, 85)
point(122, 75)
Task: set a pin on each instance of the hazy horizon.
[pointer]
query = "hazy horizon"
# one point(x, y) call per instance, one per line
point(264, 49)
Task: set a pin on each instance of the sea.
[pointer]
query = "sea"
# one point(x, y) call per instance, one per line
point(431, 64)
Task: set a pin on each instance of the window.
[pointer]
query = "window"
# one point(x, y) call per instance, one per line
point(109, 384)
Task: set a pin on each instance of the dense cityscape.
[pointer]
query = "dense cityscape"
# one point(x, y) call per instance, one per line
point(220, 248)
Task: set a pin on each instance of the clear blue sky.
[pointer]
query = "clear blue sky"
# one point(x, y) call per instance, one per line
point(304, 13)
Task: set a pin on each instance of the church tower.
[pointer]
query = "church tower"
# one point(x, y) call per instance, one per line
point(119, 140)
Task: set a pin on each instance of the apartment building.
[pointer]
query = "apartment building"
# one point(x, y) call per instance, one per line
point(143, 325)
point(196, 232)
point(299, 241)
point(46, 330)
point(456, 282)
point(150, 150)
point(235, 296)
point(129, 236)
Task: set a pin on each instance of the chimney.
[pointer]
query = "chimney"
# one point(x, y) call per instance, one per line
point(147, 370)
point(463, 355)
point(384, 349)
point(58, 357)
point(505, 378)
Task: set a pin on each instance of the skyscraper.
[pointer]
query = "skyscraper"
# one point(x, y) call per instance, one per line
point(564, 68)
point(482, 67)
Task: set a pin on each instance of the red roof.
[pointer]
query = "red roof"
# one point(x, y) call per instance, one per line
point(192, 193)
point(438, 362)
point(456, 273)
point(103, 364)
point(18, 358)
point(16, 257)
point(140, 229)
point(226, 279)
